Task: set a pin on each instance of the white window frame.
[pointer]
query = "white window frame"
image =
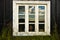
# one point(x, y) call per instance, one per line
point(15, 18)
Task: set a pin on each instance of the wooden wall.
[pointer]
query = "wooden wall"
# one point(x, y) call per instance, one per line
point(1, 14)
point(58, 16)
point(7, 13)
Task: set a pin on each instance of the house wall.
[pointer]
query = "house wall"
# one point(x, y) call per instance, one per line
point(58, 16)
point(30, 0)
point(9, 12)
point(1, 14)
point(6, 14)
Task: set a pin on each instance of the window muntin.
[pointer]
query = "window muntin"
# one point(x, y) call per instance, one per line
point(32, 19)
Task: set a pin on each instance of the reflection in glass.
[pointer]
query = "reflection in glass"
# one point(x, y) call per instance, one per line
point(41, 27)
point(41, 18)
point(21, 27)
point(21, 18)
point(21, 9)
point(31, 10)
point(41, 9)
point(31, 27)
point(41, 12)
point(32, 18)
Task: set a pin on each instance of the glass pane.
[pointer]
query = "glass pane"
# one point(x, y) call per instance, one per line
point(41, 27)
point(31, 27)
point(31, 18)
point(41, 9)
point(41, 18)
point(21, 18)
point(21, 9)
point(31, 10)
point(21, 27)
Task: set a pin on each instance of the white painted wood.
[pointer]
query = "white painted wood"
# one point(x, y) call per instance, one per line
point(31, 23)
point(15, 17)
point(33, 2)
point(42, 14)
point(41, 23)
point(21, 23)
point(36, 18)
point(21, 14)
point(26, 18)
point(31, 34)
point(27, 33)
point(47, 23)
point(48, 18)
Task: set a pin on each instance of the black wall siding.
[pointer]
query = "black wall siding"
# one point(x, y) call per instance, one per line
point(53, 15)
point(9, 12)
point(58, 16)
point(1, 14)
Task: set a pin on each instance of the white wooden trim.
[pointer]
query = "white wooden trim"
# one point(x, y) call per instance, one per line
point(21, 23)
point(41, 23)
point(21, 14)
point(36, 18)
point(31, 34)
point(26, 19)
point(31, 23)
point(41, 14)
point(15, 18)
point(41, 2)
point(48, 18)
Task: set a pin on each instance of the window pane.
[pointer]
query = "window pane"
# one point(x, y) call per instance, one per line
point(21, 27)
point(41, 27)
point(31, 10)
point(31, 27)
point(41, 9)
point(21, 9)
point(41, 18)
point(21, 18)
point(31, 18)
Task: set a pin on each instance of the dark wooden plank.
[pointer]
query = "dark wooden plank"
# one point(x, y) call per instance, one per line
point(58, 16)
point(1, 14)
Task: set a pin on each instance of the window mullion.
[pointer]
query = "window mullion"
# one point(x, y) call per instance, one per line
point(45, 19)
point(36, 18)
point(26, 18)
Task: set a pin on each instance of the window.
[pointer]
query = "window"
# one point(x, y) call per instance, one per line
point(31, 18)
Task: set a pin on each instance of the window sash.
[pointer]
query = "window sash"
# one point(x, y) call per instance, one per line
point(15, 19)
